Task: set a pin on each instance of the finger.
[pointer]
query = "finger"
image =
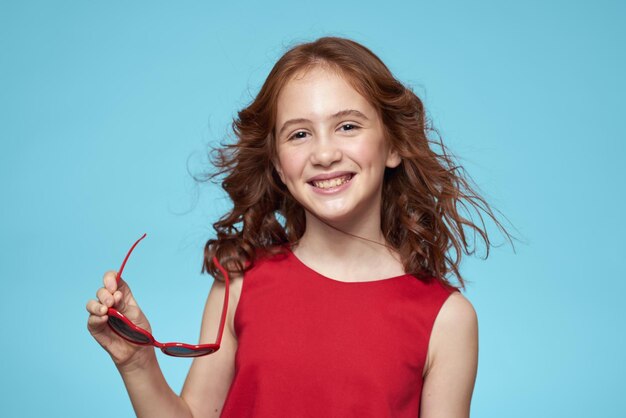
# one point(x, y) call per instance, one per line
point(122, 286)
point(123, 296)
point(96, 308)
point(120, 301)
point(96, 323)
point(118, 297)
point(105, 297)
point(110, 281)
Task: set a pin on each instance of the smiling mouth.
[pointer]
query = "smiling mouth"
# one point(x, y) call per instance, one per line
point(331, 183)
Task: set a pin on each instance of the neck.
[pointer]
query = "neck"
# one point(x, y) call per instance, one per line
point(347, 240)
point(348, 249)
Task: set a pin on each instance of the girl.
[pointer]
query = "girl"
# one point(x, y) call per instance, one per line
point(337, 251)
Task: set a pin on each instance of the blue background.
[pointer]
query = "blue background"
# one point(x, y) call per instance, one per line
point(106, 107)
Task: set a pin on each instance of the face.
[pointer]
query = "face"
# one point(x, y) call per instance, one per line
point(331, 150)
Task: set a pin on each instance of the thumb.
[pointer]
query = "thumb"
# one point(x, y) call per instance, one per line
point(123, 296)
point(122, 286)
point(110, 281)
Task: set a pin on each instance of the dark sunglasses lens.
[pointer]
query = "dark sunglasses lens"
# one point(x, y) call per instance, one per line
point(129, 333)
point(187, 352)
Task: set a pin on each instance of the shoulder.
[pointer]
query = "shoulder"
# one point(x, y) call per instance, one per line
point(216, 299)
point(457, 313)
point(453, 360)
point(267, 258)
point(454, 332)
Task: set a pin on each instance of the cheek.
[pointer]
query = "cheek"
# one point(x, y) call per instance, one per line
point(368, 155)
point(292, 165)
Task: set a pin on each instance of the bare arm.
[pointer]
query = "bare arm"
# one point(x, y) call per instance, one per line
point(209, 378)
point(452, 361)
point(150, 395)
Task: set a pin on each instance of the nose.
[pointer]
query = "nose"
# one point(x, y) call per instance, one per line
point(325, 151)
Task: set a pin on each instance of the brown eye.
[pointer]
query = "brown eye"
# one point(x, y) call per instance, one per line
point(298, 135)
point(349, 127)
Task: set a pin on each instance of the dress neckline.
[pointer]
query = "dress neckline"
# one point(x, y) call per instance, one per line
point(317, 274)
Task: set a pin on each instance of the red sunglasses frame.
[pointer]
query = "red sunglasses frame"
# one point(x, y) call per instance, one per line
point(197, 348)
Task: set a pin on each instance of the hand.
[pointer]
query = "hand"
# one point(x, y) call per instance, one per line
point(118, 295)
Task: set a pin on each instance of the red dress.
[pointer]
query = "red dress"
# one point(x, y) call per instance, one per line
point(312, 346)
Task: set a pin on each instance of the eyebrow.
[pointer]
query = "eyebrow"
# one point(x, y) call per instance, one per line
point(341, 113)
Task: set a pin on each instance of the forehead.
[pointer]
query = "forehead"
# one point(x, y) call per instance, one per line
point(318, 92)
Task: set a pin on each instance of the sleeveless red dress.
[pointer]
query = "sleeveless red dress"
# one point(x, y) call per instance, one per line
point(312, 346)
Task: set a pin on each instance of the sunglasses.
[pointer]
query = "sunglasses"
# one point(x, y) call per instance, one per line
point(125, 328)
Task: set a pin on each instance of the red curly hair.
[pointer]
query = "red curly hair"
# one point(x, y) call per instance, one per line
point(421, 198)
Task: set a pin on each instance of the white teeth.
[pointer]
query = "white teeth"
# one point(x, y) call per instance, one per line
point(326, 184)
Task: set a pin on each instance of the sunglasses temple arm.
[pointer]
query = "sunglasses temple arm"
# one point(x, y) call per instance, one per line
point(225, 306)
point(119, 273)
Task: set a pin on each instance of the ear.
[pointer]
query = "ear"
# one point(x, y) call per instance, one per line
point(393, 159)
point(279, 170)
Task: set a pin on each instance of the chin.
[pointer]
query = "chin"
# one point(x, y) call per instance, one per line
point(340, 216)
